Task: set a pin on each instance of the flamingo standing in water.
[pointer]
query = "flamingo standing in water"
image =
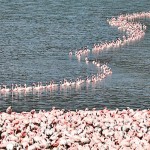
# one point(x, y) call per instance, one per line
point(54, 84)
point(27, 88)
point(4, 89)
point(72, 83)
point(14, 88)
point(79, 81)
point(88, 80)
point(65, 83)
point(51, 84)
point(20, 88)
point(70, 53)
point(61, 84)
point(36, 87)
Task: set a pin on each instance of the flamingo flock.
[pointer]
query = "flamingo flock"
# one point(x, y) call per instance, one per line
point(52, 85)
point(134, 31)
point(77, 130)
point(15, 88)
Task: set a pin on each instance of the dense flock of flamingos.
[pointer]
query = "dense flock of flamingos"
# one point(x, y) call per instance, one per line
point(134, 31)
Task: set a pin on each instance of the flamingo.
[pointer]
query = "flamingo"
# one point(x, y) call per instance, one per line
point(14, 88)
point(72, 83)
point(88, 80)
point(4, 89)
point(19, 88)
point(62, 84)
point(70, 53)
point(36, 87)
point(27, 88)
point(53, 84)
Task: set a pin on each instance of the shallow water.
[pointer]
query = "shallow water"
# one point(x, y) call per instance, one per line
point(36, 37)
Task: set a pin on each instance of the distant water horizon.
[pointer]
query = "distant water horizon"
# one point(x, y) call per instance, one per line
point(36, 37)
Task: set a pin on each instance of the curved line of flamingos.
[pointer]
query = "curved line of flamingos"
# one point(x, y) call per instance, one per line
point(134, 31)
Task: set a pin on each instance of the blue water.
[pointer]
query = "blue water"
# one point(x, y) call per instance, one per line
point(36, 37)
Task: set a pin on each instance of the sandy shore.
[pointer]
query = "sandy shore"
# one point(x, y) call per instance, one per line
point(75, 130)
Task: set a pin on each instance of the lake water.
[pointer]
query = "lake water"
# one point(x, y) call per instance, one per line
point(36, 37)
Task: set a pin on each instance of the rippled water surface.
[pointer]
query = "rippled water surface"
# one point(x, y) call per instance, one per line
point(36, 37)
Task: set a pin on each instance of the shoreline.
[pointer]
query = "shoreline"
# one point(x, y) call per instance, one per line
point(75, 130)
